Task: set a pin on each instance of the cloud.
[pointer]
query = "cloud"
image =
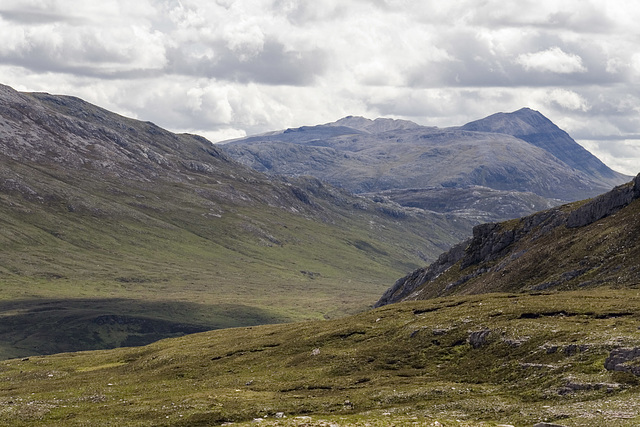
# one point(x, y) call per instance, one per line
point(567, 99)
point(227, 67)
point(553, 60)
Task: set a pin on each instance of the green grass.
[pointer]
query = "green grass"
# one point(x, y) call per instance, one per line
point(188, 254)
point(403, 363)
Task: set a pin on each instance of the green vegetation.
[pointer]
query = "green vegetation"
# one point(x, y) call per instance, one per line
point(172, 252)
point(114, 231)
point(494, 359)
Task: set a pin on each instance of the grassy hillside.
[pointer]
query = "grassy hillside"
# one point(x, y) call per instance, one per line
point(514, 359)
point(104, 217)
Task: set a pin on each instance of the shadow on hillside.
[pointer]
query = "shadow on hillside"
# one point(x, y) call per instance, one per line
point(48, 326)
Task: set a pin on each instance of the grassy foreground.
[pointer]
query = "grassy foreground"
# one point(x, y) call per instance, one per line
point(514, 359)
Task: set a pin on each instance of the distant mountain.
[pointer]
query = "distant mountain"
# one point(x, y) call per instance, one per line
point(531, 126)
point(577, 246)
point(369, 156)
point(475, 203)
point(117, 232)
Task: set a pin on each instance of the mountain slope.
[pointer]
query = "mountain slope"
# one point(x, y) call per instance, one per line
point(533, 127)
point(115, 231)
point(582, 245)
point(474, 202)
point(370, 156)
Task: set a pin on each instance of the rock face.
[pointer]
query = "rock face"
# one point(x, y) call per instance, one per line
point(591, 244)
point(605, 205)
point(624, 360)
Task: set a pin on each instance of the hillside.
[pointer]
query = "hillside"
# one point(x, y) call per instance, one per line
point(521, 151)
point(583, 245)
point(531, 126)
point(475, 203)
point(567, 358)
point(116, 232)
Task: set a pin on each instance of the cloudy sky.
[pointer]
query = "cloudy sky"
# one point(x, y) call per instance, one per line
point(227, 68)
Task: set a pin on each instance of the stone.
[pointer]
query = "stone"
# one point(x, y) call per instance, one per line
point(624, 360)
point(479, 338)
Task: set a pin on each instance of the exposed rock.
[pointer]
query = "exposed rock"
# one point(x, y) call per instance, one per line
point(605, 204)
point(479, 338)
point(624, 360)
point(403, 287)
point(504, 242)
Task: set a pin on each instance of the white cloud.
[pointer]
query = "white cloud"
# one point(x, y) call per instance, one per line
point(567, 99)
point(553, 60)
point(226, 67)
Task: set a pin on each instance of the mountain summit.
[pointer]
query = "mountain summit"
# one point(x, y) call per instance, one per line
point(521, 151)
point(531, 126)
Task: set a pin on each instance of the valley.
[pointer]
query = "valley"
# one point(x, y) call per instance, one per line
point(149, 279)
point(105, 215)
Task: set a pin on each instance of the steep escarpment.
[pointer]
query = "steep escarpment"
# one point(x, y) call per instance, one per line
point(585, 244)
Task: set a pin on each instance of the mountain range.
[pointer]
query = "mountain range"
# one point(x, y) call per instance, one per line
point(117, 232)
point(517, 155)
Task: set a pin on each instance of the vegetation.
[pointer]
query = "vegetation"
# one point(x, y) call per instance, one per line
point(583, 245)
point(512, 359)
point(164, 235)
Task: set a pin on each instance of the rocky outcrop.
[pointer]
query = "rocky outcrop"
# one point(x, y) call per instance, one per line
point(605, 204)
point(405, 286)
point(624, 360)
point(495, 241)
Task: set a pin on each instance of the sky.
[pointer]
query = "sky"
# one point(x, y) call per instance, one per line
point(229, 68)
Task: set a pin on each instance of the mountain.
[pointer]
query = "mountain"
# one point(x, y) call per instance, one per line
point(476, 203)
point(583, 245)
point(116, 232)
point(531, 126)
point(521, 151)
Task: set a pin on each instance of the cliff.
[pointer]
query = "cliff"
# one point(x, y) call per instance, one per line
point(591, 243)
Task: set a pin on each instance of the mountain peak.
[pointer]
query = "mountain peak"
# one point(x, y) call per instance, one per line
point(524, 121)
point(536, 129)
point(378, 125)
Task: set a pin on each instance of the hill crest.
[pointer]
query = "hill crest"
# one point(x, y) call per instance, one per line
point(585, 244)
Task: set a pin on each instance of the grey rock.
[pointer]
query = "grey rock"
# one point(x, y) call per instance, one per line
point(605, 204)
point(499, 241)
point(479, 338)
point(624, 360)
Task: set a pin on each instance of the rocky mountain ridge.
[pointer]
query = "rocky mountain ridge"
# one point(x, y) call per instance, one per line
point(592, 243)
point(516, 152)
